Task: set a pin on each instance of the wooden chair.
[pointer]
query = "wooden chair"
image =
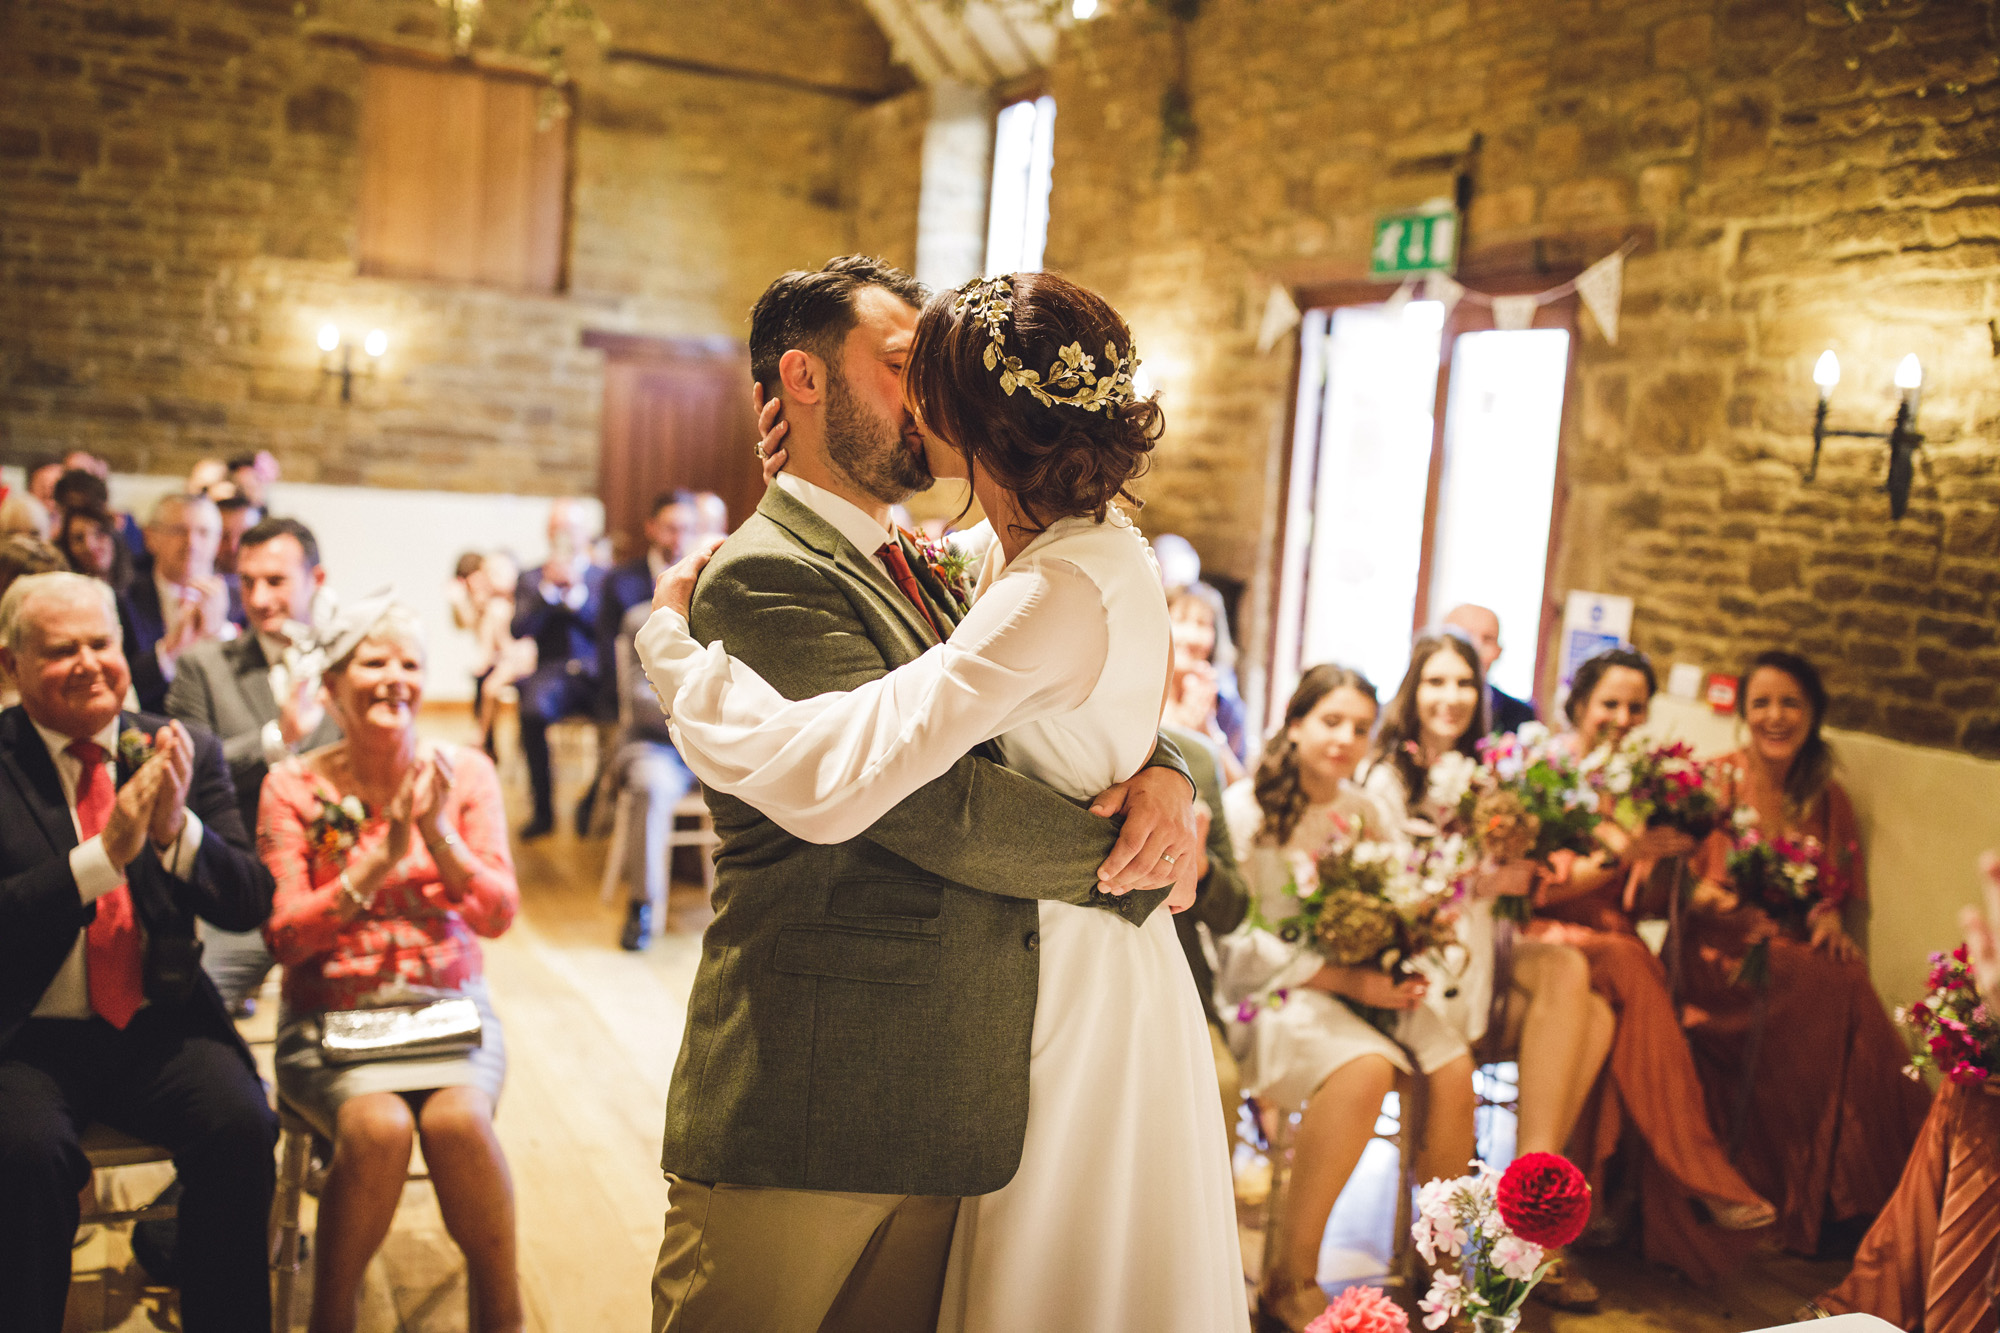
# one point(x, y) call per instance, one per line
point(296, 1179)
point(104, 1147)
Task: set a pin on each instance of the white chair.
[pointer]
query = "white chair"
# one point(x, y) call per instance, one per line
point(105, 1148)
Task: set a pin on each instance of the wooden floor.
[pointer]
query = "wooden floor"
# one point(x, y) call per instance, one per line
point(591, 1035)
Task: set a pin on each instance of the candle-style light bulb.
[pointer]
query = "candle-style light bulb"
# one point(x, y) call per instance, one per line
point(1910, 373)
point(376, 343)
point(1826, 373)
point(329, 337)
point(1083, 9)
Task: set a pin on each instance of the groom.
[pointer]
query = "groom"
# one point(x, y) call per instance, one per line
point(856, 1055)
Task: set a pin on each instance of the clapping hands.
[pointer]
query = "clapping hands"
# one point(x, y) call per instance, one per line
point(153, 803)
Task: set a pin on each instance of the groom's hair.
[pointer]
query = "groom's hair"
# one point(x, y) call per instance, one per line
point(814, 311)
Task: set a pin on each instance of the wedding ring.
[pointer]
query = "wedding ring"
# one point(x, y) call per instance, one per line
point(758, 449)
point(1168, 857)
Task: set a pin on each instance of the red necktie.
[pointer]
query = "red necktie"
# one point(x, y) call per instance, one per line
point(891, 555)
point(114, 955)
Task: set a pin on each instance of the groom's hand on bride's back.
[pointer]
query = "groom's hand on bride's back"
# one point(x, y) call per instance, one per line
point(1158, 844)
point(675, 590)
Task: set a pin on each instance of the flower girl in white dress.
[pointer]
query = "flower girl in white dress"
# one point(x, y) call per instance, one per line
point(1121, 1215)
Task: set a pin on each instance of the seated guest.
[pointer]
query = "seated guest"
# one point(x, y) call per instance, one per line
point(386, 909)
point(103, 1015)
point(1221, 900)
point(205, 476)
point(183, 601)
point(23, 514)
point(1928, 1262)
point(88, 539)
point(556, 606)
point(1305, 1044)
point(239, 515)
point(89, 464)
point(1203, 693)
point(253, 475)
point(42, 474)
point(1483, 627)
point(1650, 1082)
point(1804, 1070)
point(673, 528)
point(711, 514)
point(259, 695)
point(650, 769)
point(20, 557)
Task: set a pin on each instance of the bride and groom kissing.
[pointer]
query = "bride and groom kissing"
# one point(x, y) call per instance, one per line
point(944, 1064)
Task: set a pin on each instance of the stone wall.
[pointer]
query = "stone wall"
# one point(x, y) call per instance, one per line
point(178, 187)
point(1795, 180)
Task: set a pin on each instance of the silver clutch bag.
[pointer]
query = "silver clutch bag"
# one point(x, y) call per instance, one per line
point(400, 1031)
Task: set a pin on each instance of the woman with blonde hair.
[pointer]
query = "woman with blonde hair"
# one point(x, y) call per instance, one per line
point(390, 855)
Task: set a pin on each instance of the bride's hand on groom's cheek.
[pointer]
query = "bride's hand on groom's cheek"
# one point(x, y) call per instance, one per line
point(771, 429)
point(1158, 840)
point(675, 590)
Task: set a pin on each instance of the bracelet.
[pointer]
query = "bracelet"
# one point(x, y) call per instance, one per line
point(351, 894)
point(448, 839)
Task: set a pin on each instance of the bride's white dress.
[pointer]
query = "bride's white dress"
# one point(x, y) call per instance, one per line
point(1121, 1216)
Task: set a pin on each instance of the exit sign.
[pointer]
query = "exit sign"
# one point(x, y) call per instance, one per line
point(1425, 241)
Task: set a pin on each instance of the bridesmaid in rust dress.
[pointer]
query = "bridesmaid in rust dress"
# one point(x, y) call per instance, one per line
point(1650, 1077)
point(1930, 1260)
point(1804, 1071)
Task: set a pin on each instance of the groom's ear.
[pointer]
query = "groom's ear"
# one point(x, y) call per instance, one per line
point(802, 377)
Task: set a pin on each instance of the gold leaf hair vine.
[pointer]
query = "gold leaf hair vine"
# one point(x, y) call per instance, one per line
point(1073, 379)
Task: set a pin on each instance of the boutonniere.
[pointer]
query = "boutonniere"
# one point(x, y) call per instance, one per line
point(949, 565)
point(337, 826)
point(135, 747)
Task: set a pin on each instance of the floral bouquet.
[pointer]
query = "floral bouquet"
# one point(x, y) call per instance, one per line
point(1961, 1035)
point(1364, 904)
point(1361, 1310)
point(1657, 786)
point(1784, 876)
point(1536, 802)
point(1499, 1226)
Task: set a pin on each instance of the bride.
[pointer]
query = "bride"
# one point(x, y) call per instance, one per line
point(1121, 1215)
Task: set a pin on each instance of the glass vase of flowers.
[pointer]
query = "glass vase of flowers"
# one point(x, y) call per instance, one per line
point(1499, 1226)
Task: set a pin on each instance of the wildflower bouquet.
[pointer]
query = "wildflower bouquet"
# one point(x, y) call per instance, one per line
point(1961, 1035)
point(1535, 802)
point(1500, 1227)
point(1657, 786)
point(1784, 876)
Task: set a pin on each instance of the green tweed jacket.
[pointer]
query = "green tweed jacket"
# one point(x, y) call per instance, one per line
point(861, 1014)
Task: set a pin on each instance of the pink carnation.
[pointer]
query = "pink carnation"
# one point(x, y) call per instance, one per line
point(1361, 1310)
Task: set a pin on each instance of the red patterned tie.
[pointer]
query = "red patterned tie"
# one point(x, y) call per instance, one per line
point(114, 955)
point(891, 555)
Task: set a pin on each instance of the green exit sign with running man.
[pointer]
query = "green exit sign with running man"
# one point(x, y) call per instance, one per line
point(1407, 244)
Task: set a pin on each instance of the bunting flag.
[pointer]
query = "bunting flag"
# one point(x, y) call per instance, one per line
point(1281, 316)
point(1445, 290)
point(1515, 312)
point(1601, 285)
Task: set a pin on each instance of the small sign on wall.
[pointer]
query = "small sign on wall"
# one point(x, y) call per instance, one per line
point(1424, 240)
point(1593, 622)
point(1721, 693)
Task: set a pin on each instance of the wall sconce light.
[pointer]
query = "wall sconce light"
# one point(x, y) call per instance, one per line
point(331, 341)
point(1903, 437)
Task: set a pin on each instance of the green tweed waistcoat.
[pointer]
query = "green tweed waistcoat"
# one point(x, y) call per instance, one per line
point(861, 1013)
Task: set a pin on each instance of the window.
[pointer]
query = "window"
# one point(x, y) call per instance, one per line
point(1017, 216)
point(459, 181)
point(1393, 518)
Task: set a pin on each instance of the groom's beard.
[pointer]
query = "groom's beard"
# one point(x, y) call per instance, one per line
point(870, 451)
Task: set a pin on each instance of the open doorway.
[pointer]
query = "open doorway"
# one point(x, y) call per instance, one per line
point(1425, 472)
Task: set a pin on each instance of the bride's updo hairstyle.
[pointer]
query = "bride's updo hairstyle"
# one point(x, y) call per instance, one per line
point(1073, 433)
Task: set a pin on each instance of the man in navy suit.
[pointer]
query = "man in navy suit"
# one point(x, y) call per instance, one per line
point(117, 831)
point(557, 606)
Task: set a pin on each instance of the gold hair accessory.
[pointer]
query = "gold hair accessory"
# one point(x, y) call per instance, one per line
point(1072, 379)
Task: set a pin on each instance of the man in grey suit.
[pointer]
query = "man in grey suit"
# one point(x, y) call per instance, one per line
point(242, 691)
point(856, 1053)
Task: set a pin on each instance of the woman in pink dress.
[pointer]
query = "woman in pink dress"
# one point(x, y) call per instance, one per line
point(1586, 903)
point(1804, 1070)
point(390, 856)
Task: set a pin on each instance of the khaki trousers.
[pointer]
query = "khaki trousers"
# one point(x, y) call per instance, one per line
point(750, 1259)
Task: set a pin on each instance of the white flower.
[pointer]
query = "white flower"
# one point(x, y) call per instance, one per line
point(1445, 1300)
point(353, 806)
point(1532, 735)
point(1516, 1258)
point(1448, 781)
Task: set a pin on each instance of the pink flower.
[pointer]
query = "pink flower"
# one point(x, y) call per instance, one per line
point(1445, 1300)
point(1361, 1310)
point(1517, 1258)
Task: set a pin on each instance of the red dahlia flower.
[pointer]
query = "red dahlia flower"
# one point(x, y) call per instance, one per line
point(1544, 1200)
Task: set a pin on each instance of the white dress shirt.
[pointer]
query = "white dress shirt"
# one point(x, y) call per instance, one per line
point(847, 518)
point(68, 996)
point(273, 733)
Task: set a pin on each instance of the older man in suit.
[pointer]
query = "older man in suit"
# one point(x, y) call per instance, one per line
point(117, 831)
point(252, 694)
point(179, 600)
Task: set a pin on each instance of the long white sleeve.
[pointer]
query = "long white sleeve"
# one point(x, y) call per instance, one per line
point(828, 767)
